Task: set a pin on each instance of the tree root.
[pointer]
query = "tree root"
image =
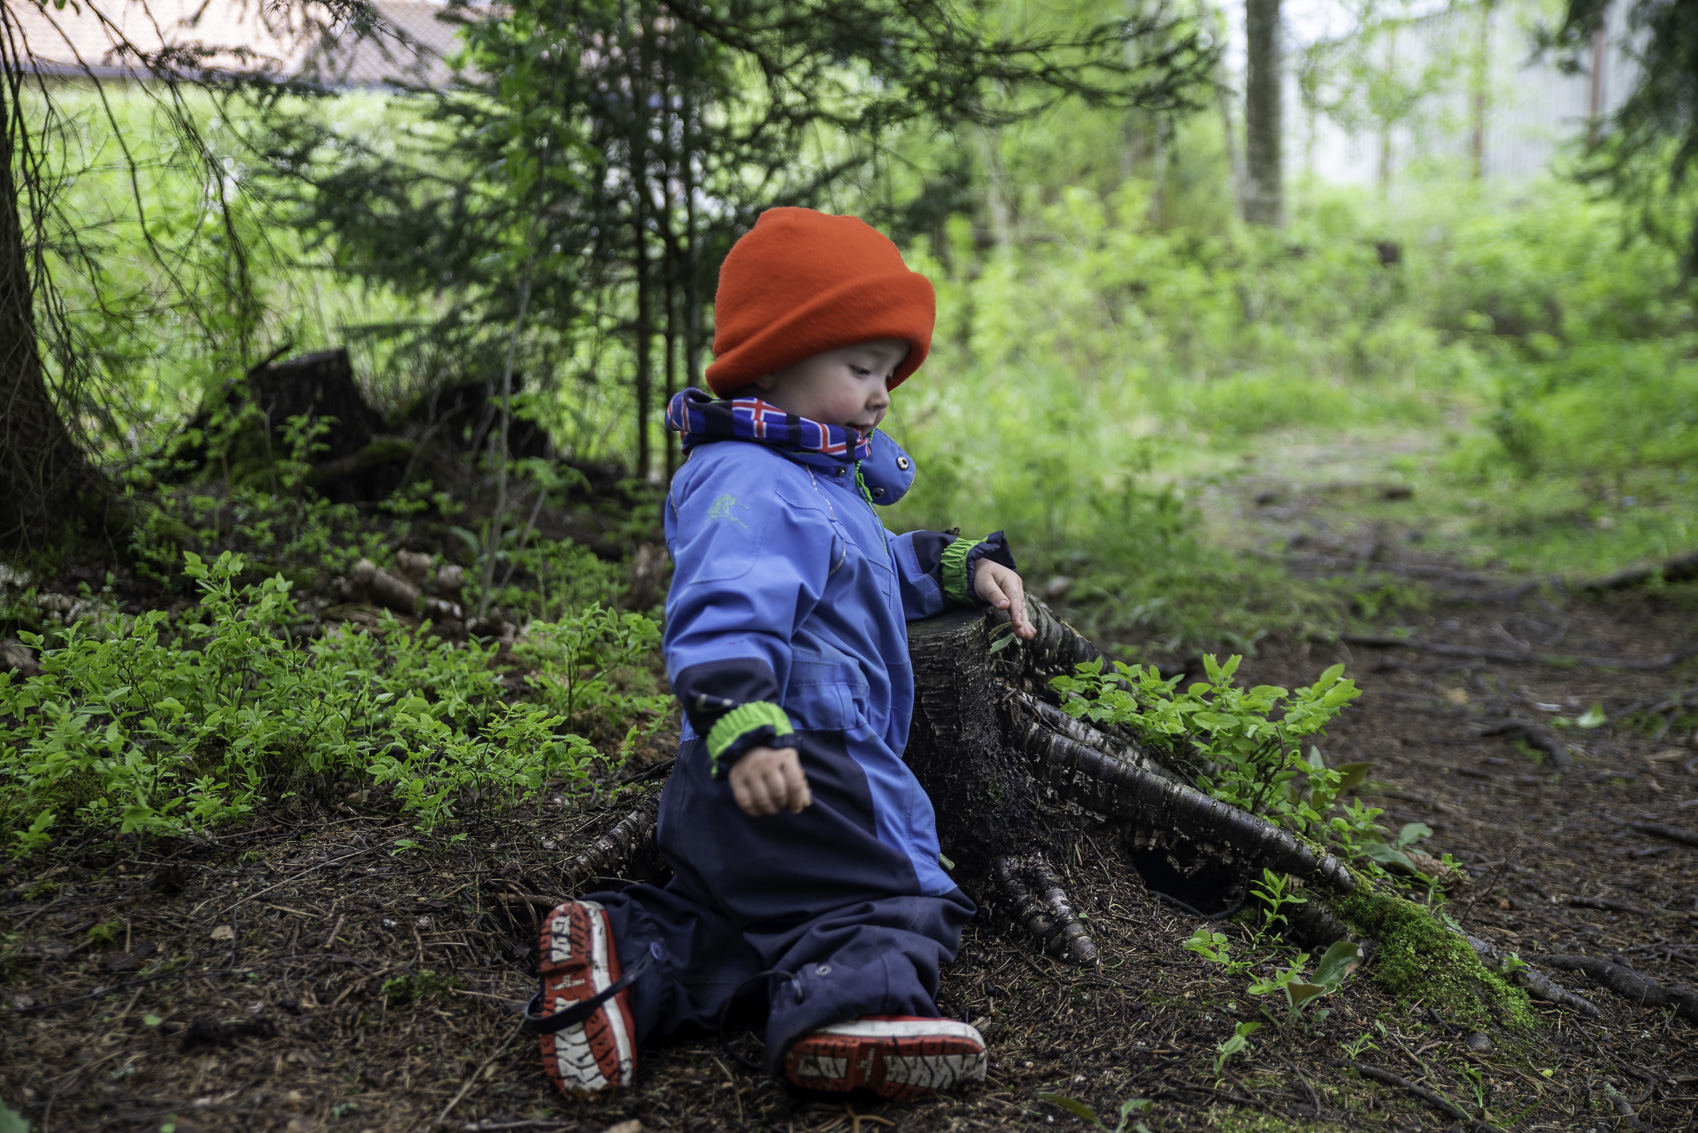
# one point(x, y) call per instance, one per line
point(1534, 982)
point(1677, 568)
point(1082, 733)
point(1517, 656)
point(1537, 736)
point(1126, 792)
point(1449, 1108)
point(1628, 983)
point(1056, 648)
point(1042, 907)
point(1672, 833)
point(608, 855)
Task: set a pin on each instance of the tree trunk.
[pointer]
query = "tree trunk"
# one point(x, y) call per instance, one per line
point(1480, 80)
point(644, 323)
point(1223, 99)
point(41, 469)
point(1263, 196)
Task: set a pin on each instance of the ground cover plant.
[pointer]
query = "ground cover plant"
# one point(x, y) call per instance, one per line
point(175, 726)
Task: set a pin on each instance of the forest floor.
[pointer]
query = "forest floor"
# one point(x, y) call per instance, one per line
point(306, 973)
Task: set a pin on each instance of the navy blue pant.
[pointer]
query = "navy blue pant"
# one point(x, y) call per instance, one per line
point(815, 896)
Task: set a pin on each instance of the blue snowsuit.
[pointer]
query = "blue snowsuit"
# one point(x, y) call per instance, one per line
point(786, 626)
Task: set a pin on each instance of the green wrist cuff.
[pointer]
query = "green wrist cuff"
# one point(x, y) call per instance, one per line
point(741, 721)
point(956, 573)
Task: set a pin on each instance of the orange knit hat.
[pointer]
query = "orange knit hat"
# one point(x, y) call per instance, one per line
point(800, 283)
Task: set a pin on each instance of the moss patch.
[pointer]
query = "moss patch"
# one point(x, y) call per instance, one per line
point(1420, 959)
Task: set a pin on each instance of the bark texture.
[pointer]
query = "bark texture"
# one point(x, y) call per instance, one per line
point(42, 471)
point(1264, 198)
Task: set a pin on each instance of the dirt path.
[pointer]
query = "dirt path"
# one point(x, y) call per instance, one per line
point(303, 974)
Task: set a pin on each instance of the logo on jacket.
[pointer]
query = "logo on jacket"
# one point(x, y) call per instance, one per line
point(721, 509)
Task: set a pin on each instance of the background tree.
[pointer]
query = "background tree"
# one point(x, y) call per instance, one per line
point(1264, 197)
point(646, 135)
point(1649, 146)
point(55, 367)
point(1364, 83)
point(41, 471)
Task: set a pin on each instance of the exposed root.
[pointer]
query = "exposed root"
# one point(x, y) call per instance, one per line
point(1677, 568)
point(1538, 737)
point(1029, 883)
point(1445, 1105)
point(1519, 656)
point(1057, 648)
point(1628, 983)
point(1080, 732)
point(608, 855)
point(1534, 982)
point(1672, 833)
point(1126, 792)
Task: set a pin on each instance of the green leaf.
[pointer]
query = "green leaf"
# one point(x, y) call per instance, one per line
point(1593, 718)
point(1386, 856)
point(151, 1020)
point(11, 1121)
point(1352, 775)
point(1411, 832)
point(1338, 962)
point(1074, 1106)
point(1300, 993)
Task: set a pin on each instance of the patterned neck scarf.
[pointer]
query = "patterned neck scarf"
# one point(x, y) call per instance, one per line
point(699, 418)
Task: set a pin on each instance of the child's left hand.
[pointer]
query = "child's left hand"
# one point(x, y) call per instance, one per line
point(1003, 589)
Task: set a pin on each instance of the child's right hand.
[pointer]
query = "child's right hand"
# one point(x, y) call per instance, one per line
point(767, 780)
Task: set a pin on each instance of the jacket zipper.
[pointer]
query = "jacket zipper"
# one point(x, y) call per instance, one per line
point(866, 494)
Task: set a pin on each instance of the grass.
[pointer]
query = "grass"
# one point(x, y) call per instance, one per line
point(1113, 394)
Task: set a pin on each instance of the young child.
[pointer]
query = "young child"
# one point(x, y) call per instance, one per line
point(804, 852)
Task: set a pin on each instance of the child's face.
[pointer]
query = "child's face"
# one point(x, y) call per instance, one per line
point(840, 387)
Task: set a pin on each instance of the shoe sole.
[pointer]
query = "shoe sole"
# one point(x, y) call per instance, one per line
point(578, 961)
point(899, 1059)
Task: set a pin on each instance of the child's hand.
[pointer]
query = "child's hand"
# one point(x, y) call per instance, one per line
point(767, 780)
point(1003, 589)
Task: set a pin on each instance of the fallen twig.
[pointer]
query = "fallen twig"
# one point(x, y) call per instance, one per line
point(1612, 905)
point(471, 1080)
point(1518, 657)
point(1418, 799)
point(1627, 983)
point(1672, 833)
point(1676, 568)
point(1537, 736)
point(1437, 1101)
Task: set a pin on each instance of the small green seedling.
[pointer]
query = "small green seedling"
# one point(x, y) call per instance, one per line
point(1335, 964)
point(1357, 1047)
point(1085, 1113)
point(1391, 855)
point(1235, 1043)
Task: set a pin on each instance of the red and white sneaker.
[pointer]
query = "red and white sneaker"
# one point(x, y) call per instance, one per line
point(582, 1010)
point(896, 1056)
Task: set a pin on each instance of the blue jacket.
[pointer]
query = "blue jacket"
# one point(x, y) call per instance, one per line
point(789, 600)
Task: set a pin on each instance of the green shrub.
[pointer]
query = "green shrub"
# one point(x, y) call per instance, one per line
point(149, 724)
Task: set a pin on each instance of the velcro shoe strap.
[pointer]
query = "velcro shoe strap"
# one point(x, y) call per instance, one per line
point(581, 1010)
